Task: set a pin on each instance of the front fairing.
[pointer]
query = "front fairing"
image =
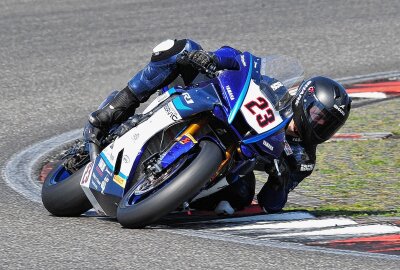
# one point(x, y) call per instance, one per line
point(257, 99)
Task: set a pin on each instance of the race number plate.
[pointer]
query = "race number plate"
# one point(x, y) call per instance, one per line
point(258, 110)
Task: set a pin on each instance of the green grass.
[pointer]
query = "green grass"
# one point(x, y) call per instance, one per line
point(357, 178)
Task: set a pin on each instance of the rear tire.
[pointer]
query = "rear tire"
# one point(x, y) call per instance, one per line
point(64, 197)
point(184, 186)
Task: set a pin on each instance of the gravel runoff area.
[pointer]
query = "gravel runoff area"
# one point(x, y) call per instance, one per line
point(357, 178)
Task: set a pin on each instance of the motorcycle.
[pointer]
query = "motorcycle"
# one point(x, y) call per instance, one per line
point(181, 148)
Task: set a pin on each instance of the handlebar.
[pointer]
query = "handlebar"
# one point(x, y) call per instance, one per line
point(210, 71)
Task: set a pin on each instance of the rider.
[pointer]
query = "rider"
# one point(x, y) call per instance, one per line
point(320, 107)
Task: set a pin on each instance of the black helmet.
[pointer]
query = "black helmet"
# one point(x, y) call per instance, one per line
point(320, 107)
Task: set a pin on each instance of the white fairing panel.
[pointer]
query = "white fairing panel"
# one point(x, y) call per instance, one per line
point(259, 111)
point(85, 182)
point(132, 142)
point(156, 102)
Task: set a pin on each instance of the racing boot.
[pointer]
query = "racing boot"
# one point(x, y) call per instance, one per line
point(116, 111)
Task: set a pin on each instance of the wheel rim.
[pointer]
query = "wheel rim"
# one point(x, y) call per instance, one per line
point(60, 175)
point(145, 187)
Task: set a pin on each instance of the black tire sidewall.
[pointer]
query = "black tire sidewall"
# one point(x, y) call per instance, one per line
point(184, 186)
point(65, 198)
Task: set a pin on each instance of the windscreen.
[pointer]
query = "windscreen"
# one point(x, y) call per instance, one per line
point(285, 69)
point(277, 71)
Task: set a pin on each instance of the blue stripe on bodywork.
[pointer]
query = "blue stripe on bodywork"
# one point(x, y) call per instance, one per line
point(108, 163)
point(179, 105)
point(172, 91)
point(268, 133)
point(243, 93)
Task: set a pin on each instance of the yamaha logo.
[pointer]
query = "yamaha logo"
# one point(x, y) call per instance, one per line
point(230, 93)
point(243, 60)
point(268, 145)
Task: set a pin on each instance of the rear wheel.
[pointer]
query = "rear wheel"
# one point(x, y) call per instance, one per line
point(150, 199)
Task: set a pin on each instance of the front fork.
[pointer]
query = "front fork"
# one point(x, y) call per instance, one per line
point(192, 131)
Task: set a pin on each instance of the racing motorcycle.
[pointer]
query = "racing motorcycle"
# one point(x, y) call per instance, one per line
point(181, 148)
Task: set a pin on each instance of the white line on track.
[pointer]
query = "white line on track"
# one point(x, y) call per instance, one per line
point(372, 95)
point(369, 77)
point(350, 230)
point(218, 236)
point(302, 224)
point(18, 173)
point(260, 218)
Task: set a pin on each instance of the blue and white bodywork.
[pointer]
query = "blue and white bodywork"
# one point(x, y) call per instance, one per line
point(246, 109)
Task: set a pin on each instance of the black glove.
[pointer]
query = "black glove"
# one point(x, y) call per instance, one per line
point(273, 195)
point(201, 60)
point(278, 172)
point(92, 134)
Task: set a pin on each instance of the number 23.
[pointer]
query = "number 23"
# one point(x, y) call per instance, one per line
point(262, 119)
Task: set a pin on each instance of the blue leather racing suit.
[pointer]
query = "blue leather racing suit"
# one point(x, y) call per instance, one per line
point(298, 160)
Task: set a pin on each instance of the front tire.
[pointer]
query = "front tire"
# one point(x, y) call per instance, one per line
point(169, 197)
point(62, 194)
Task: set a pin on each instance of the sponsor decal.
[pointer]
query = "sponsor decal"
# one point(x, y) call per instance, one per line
point(126, 159)
point(102, 165)
point(230, 93)
point(296, 139)
point(306, 167)
point(276, 85)
point(104, 184)
point(263, 66)
point(339, 109)
point(288, 149)
point(302, 91)
point(221, 131)
point(311, 90)
point(86, 173)
point(96, 179)
point(268, 145)
point(135, 136)
point(187, 138)
point(171, 113)
point(99, 171)
point(119, 180)
point(188, 98)
point(243, 60)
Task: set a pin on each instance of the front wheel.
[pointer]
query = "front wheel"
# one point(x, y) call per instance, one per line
point(181, 182)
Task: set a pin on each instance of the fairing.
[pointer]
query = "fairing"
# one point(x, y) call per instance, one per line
point(257, 91)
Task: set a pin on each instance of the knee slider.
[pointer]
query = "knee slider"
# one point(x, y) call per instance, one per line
point(167, 49)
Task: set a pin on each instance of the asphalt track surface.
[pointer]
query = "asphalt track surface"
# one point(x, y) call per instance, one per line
point(60, 59)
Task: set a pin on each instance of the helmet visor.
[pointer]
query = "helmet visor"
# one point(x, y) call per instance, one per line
point(321, 121)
